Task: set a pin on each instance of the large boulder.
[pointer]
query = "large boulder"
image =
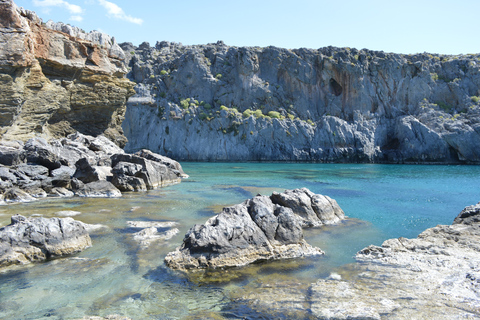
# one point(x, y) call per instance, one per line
point(257, 229)
point(154, 174)
point(27, 240)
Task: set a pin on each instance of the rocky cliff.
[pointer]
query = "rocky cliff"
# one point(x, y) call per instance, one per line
point(56, 79)
point(215, 102)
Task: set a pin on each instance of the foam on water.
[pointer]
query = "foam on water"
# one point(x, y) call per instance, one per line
point(118, 276)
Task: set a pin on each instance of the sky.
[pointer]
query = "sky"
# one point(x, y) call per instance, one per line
point(400, 26)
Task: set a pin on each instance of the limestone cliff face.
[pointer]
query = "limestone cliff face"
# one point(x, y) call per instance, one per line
point(215, 102)
point(55, 79)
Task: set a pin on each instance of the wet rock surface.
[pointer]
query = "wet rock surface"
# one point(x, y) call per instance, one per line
point(261, 228)
point(28, 240)
point(435, 276)
point(80, 165)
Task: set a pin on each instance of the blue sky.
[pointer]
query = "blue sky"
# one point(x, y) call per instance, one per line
point(447, 27)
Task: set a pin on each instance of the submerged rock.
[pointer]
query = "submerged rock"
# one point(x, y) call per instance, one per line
point(28, 240)
point(260, 228)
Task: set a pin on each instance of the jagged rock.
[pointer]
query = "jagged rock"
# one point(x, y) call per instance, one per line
point(27, 240)
point(257, 229)
point(470, 215)
point(172, 164)
point(65, 82)
point(153, 173)
point(88, 172)
point(215, 102)
point(98, 189)
point(17, 195)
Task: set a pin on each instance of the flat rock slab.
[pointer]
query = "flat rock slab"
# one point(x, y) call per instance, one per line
point(261, 228)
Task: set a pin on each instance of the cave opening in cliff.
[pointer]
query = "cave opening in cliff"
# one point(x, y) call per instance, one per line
point(335, 87)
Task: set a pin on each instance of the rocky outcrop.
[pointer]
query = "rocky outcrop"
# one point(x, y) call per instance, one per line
point(262, 228)
point(56, 80)
point(28, 240)
point(435, 276)
point(215, 102)
point(79, 165)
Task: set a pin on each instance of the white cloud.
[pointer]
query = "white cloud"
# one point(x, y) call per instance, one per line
point(115, 11)
point(76, 18)
point(72, 8)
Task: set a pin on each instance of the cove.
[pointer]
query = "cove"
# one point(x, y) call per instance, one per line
point(119, 276)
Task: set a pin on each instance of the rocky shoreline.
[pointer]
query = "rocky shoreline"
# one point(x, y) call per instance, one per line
point(435, 276)
point(79, 165)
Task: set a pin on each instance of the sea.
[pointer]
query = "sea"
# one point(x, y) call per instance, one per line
point(120, 275)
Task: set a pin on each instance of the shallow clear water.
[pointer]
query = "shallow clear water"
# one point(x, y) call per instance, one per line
point(118, 276)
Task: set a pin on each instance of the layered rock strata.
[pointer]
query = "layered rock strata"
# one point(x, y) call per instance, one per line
point(261, 228)
point(435, 276)
point(56, 80)
point(28, 240)
point(216, 102)
point(79, 165)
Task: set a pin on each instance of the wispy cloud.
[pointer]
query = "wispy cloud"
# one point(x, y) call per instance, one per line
point(72, 8)
point(75, 10)
point(115, 11)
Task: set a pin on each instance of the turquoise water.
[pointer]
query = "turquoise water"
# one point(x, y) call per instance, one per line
point(119, 276)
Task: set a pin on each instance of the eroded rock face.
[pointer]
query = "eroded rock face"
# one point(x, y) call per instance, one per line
point(54, 82)
point(28, 240)
point(257, 229)
point(216, 102)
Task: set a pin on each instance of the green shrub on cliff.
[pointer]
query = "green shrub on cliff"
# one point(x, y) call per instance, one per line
point(185, 103)
point(275, 114)
point(258, 114)
point(247, 113)
point(475, 99)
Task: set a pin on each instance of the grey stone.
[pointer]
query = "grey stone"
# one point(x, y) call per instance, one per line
point(98, 189)
point(27, 240)
point(257, 229)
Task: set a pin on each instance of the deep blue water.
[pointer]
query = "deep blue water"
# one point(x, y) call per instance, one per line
point(117, 276)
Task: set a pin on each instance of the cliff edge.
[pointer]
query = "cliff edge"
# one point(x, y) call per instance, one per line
point(56, 79)
point(221, 103)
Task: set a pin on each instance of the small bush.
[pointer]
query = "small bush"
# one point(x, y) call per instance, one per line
point(258, 114)
point(163, 72)
point(202, 116)
point(274, 114)
point(222, 107)
point(185, 103)
point(247, 113)
point(310, 122)
point(475, 99)
point(152, 76)
point(290, 116)
point(218, 76)
point(207, 106)
point(163, 94)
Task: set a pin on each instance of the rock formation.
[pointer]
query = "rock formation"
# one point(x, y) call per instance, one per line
point(28, 240)
point(261, 228)
point(56, 79)
point(435, 276)
point(79, 165)
point(215, 102)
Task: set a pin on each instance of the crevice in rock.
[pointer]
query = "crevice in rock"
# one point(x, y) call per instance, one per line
point(335, 87)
